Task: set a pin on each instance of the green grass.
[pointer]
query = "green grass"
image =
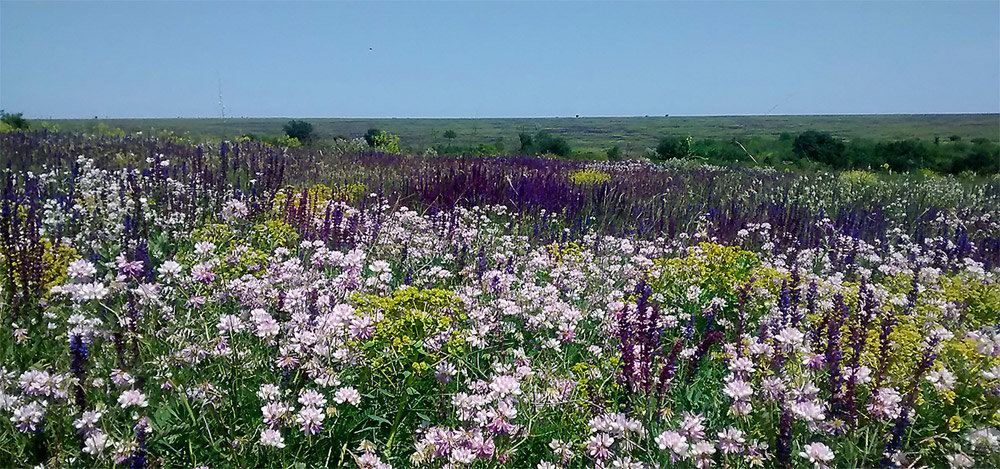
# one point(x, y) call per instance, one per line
point(588, 134)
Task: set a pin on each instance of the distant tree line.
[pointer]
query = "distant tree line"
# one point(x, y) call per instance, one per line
point(815, 149)
point(810, 149)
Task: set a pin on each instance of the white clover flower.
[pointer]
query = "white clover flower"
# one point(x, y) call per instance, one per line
point(269, 392)
point(28, 418)
point(80, 269)
point(562, 449)
point(96, 443)
point(272, 438)
point(347, 394)
point(598, 445)
point(886, 404)
point(230, 323)
point(310, 419)
point(204, 248)
point(702, 452)
point(861, 374)
point(312, 398)
point(959, 461)
point(505, 385)
point(738, 389)
point(984, 438)
point(132, 398)
point(818, 453)
point(673, 441)
point(809, 411)
point(90, 291)
point(234, 210)
point(170, 269)
point(379, 266)
point(693, 426)
point(992, 373)
point(88, 419)
point(731, 440)
point(790, 336)
point(942, 379)
point(693, 293)
point(274, 412)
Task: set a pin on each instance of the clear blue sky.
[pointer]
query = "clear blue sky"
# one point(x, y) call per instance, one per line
point(327, 59)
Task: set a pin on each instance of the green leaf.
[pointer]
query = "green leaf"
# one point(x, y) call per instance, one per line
point(379, 419)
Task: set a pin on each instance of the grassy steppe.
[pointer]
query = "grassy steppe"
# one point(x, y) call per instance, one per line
point(586, 134)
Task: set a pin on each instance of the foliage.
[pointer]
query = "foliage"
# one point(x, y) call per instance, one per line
point(343, 146)
point(613, 153)
point(386, 142)
point(12, 121)
point(767, 140)
point(258, 307)
point(281, 141)
point(371, 135)
point(819, 146)
point(545, 143)
point(674, 147)
point(299, 130)
point(527, 143)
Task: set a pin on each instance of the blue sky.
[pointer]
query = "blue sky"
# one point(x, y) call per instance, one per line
point(480, 59)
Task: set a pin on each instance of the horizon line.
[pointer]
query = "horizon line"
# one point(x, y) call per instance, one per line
point(581, 116)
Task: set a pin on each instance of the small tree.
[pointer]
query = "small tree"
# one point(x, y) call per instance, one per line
point(450, 134)
point(819, 146)
point(299, 130)
point(527, 143)
point(614, 153)
point(548, 143)
point(371, 135)
point(14, 121)
point(387, 142)
point(673, 147)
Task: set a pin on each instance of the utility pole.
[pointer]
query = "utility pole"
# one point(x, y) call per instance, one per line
point(222, 107)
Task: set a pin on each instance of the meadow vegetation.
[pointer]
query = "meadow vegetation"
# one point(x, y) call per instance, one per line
point(339, 304)
point(940, 143)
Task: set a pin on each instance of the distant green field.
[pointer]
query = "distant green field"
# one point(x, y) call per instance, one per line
point(588, 134)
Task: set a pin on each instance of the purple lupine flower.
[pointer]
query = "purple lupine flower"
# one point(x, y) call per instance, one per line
point(142, 259)
point(78, 362)
point(903, 421)
point(133, 324)
point(794, 292)
point(481, 265)
point(138, 459)
point(708, 341)
point(668, 369)
point(859, 328)
point(811, 295)
point(783, 445)
point(884, 345)
point(911, 296)
point(785, 304)
point(834, 352)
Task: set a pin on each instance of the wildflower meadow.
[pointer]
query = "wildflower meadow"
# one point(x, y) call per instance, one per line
point(168, 305)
